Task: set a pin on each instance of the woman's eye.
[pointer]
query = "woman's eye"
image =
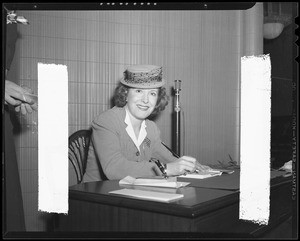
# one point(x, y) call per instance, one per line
point(154, 94)
point(138, 91)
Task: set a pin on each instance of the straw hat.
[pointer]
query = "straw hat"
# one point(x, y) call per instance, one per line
point(143, 77)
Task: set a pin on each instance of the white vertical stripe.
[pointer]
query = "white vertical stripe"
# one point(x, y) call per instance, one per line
point(53, 137)
point(255, 138)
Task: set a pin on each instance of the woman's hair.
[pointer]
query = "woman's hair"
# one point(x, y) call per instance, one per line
point(121, 93)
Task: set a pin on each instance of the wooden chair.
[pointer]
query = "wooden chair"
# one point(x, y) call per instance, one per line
point(78, 151)
point(79, 143)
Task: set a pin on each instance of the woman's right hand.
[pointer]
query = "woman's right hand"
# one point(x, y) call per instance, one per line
point(181, 166)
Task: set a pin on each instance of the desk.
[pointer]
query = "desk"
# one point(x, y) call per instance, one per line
point(202, 210)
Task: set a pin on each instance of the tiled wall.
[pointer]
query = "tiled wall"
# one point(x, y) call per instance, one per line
point(201, 48)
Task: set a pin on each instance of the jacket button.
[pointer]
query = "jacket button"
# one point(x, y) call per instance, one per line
point(137, 153)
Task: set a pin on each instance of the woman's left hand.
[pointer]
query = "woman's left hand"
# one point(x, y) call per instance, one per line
point(202, 168)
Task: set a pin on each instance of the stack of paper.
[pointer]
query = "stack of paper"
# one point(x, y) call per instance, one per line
point(154, 182)
point(224, 171)
point(148, 195)
point(202, 174)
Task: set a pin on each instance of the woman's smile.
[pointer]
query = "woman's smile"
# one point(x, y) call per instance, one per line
point(143, 107)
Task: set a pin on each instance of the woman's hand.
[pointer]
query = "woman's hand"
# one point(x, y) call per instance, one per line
point(185, 164)
point(182, 165)
point(202, 168)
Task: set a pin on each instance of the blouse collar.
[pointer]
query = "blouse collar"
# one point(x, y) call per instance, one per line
point(143, 133)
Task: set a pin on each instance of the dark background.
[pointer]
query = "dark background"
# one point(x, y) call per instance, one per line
point(282, 54)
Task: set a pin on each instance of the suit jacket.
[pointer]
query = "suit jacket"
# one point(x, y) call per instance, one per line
point(113, 149)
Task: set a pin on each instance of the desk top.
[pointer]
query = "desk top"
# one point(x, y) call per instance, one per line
point(197, 200)
point(225, 181)
point(228, 181)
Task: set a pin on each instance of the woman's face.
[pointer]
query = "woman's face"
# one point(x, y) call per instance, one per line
point(141, 102)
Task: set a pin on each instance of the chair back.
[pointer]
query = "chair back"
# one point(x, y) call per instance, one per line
point(78, 151)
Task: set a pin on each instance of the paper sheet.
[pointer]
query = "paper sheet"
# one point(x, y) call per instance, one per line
point(202, 175)
point(225, 171)
point(148, 195)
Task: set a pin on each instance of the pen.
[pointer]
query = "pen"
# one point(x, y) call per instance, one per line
point(160, 166)
point(173, 153)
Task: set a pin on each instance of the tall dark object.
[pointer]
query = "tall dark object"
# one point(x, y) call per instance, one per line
point(14, 220)
point(177, 117)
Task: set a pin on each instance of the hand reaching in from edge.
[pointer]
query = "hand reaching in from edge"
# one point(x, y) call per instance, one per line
point(18, 97)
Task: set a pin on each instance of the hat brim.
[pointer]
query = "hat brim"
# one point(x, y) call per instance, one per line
point(143, 85)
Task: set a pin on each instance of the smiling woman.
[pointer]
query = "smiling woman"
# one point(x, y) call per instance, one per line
point(124, 140)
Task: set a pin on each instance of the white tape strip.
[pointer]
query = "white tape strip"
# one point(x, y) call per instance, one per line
point(53, 137)
point(255, 138)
